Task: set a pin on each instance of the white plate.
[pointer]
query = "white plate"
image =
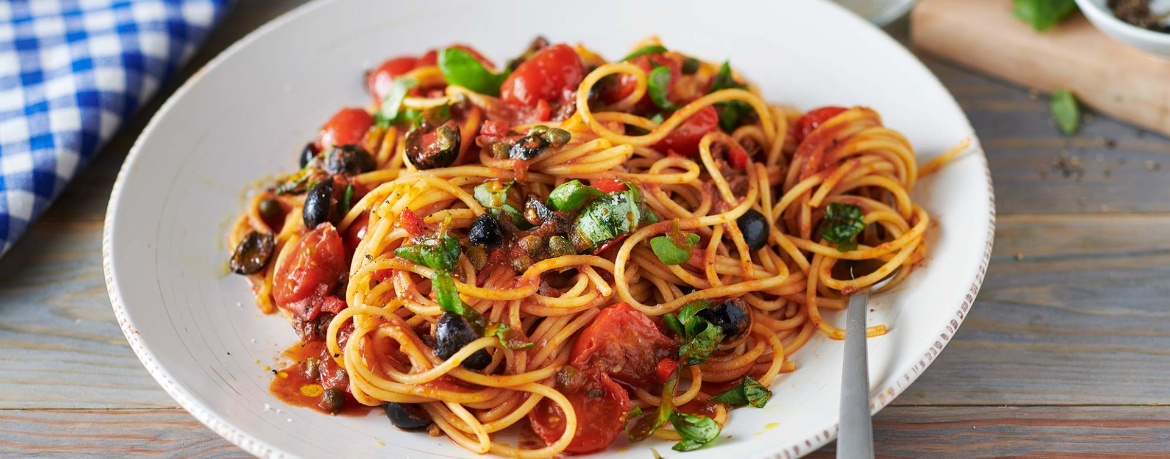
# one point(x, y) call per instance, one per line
point(880, 12)
point(248, 114)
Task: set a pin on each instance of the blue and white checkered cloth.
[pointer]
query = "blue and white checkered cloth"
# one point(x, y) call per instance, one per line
point(71, 71)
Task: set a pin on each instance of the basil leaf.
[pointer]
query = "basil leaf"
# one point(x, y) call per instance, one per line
point(345, 200)
point(648, 216)
point(658, 82)
point(446, 294)
point(460, 68)
point(731, 113)
point(700, 347)
point(688, 316)
point(696, 431)
point(648, 49)
point(608, 217)
point(1065, 111)
point(645, 426)
point(671, 254)
point(571, 195)
point(501, 332)
point(494, 195)
point(748, 392)
point(439, 254)
point(1043, 14)
point(672, 323)
point(388, 114)
point(842, 223)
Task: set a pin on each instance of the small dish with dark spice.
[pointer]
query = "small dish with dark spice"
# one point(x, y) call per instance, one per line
point(1142, 24)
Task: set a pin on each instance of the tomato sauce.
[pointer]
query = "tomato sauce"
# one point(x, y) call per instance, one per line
point(292, 384)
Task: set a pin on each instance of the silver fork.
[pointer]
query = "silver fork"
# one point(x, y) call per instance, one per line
point(855, 435)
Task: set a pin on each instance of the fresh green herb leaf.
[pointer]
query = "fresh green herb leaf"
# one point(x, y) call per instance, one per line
point(648, 216)
point(672, 323)
point(637, 411)
point(503, 332)
point(460, 68)
point(345, 199)
point(646, 425)
point(436, 253)
point(842, 223)
point(1065, 111)
point(1043, 14)
point(437, 115)
point(699, 348)
point(731, 113)
point(494, 195)
point(696, 431)
point(658, 82)
point(607, 217)
point(446, 294)
point(671, 254)
point(748, 392)
point(571, 195)
point(648, 49)
point(388, 114)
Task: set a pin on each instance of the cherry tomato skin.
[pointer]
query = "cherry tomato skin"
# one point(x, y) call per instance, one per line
point(738, 158)
point(601, 407)
point(379, 81)
point(814, 119)
point(356, 231)
point(624, 84)
point(310, 272)
point(685, 138)
point(432, 56)
point(551, 73)
point(411, 223)
point(664, 369)
point(609, 185)
point(624, 343)
point(347, 126)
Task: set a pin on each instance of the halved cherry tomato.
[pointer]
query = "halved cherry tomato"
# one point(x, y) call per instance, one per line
point(379, 81)
point(685, 138)
point(624, 84)
point(665, 368)
point(311, 271)
point(814, 119)
point(411, 223)
point(432, 56)
point(609, 185)
point(348, 125)
point(738, 158)
point(549, 75)
point(356, 231)
point(600, 405)
point(624, 343)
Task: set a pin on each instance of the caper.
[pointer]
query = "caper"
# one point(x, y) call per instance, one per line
point(500, 150)
point(559, 246)
point(538, 129)
point(270, 208)
point(313, 369)
point(690, 66)
point(478, 256)
point(521, 263)
point(531, 244)
point(253, 253)
point(333, 400)
point(558, 137)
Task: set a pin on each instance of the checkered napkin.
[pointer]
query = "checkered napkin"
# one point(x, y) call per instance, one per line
point(70, 72)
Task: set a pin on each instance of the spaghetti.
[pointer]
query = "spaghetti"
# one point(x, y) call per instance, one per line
point(574, 246)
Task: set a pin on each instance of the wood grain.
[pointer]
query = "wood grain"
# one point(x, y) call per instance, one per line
point(1078, 319)
point(1102, 72)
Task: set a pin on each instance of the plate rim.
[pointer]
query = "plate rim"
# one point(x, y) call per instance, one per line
point(252, 445)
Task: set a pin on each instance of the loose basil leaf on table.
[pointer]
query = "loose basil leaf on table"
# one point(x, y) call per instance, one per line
point(1043, 14)
point(1065, 111)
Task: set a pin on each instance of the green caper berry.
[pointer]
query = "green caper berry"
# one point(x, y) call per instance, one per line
point(538, 129)
point(531, 244)
point(559, 246)
point(270, 208)
point(521, 263)
point(333, 399)
point(558, 137)
point(690, 66)
point(477, 255)
point(500, 150)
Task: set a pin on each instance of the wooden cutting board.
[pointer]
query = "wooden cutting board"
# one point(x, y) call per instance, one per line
point(1103, 73)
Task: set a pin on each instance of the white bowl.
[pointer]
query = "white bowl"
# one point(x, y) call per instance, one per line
point(1147, 40)
point(249, 112)
point(879, 12)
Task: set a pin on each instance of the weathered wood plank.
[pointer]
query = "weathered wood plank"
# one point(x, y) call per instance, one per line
point(899, 432)
point(1080, 318)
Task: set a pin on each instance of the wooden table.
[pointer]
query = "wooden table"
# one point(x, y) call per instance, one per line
point(1065, 354)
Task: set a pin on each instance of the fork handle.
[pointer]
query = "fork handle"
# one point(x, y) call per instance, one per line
point(855, 435)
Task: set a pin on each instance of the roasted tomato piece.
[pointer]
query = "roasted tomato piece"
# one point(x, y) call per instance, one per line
point(609, 185)
point(310, 272)
point(622, 85)
point(623, 343)
point(347, 126)
point(432, 56)
point(549, 75)
point(813, 119)
point(380, 80)
point(685, 138)
point(600, 405)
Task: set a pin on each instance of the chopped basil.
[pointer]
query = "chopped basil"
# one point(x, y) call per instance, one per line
point(1043, 14)
point(607, 217)
point(696, 430)
point(446, 294)
point(502, 331)
point(646, 425)
point(731, 113)
point(1065, 111)
point(344, 205)
point(658, 82)
point(460, 68)
point(748, 392)
point(699, 337)
point(674, 247)
point(571, 195)
point(842, 223)
point(436, 253)
point(388, 114)
point(494, 195)
point(648, 49)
